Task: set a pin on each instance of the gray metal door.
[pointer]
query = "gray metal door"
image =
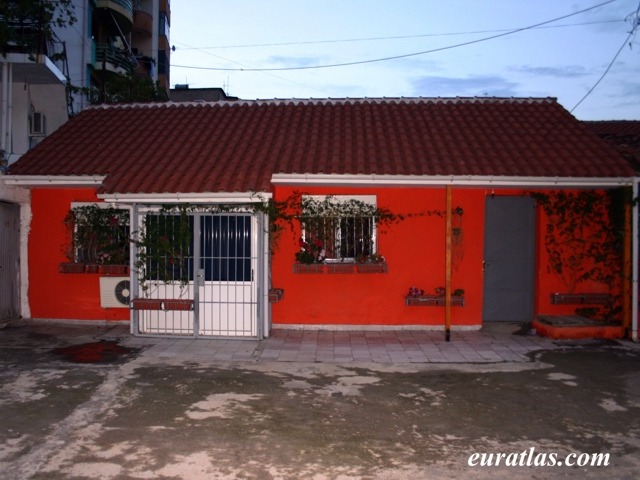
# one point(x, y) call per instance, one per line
point(9, 261)
point(509, 263)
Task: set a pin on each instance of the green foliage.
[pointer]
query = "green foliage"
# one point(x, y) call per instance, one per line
point(584, 240)
point(164, 246)
point(127, 89)
point(27, 25)
point(581, 240)
point(100, 235)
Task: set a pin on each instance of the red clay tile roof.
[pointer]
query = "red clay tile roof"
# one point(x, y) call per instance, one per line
point(624, 135)
point(616, 128)
point(237, 146)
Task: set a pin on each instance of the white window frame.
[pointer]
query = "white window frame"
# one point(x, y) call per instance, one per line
point(103, 205)
point(368, 199)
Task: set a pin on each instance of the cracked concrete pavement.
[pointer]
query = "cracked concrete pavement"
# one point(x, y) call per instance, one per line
point(128, 416)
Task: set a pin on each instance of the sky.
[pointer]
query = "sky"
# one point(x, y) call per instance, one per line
point(265, 49)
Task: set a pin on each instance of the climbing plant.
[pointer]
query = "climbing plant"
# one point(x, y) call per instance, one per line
point(322, 219)
point(584, 236)
point(164, 246)
point(100, 235)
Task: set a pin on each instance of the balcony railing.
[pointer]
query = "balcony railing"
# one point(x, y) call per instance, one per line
point(142, 23)
point(118, 11)
point(125, 5)
point(114, 59)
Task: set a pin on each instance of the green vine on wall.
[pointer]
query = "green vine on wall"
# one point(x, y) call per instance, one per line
point(163, 246)
point(164, 240)
point(584, 236)
point(100, 235)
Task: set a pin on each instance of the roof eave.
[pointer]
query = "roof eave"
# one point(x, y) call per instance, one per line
point(444, 180)
point(192, 198)
point(53, 181)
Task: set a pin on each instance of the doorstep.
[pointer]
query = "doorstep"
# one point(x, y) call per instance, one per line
point(575, 327)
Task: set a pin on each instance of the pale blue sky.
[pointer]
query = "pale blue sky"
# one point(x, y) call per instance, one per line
point(228, 40)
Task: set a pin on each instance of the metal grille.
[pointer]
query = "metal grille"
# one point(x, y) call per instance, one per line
point(343, 237)
point(217, 272)
point(228, 260)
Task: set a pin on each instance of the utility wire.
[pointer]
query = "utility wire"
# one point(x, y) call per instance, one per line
point(370, 39)
point(636, 20)
point(396, 57)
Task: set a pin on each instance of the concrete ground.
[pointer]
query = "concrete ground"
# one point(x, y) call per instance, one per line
point(96, 403)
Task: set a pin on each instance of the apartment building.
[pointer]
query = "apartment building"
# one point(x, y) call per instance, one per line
point(54, 74)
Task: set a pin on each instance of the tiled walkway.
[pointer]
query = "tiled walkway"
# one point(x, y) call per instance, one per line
point(386, 346)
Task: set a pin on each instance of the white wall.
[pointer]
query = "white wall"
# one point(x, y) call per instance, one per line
point(47, 99)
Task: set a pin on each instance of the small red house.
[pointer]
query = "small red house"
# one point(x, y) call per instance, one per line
point(403, 213)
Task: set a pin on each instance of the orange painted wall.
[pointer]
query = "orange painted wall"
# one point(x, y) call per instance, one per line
point(549, 283)
point(53, 295)
point(414, 249)
point(415, 252)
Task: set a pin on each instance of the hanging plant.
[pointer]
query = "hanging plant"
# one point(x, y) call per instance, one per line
point(100, 235)
point(164, 247)
point(583, 239)
point(580, 239)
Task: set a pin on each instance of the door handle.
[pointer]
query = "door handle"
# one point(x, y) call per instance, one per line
point(200, 278)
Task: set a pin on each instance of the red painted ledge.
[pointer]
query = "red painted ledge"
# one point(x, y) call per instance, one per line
point(574, 327)
point(161, 304)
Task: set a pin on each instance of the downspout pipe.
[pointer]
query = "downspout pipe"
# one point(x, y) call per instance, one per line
point(5, 107)
point(634, 262)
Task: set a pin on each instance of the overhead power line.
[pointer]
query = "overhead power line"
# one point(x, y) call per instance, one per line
point(397, 57)
point(635, 23)
point(395, 37)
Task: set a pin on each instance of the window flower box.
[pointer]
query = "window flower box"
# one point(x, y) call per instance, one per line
point(275, 295)
point(340, 267)
point(71, 267)
point(308, 268)
point(433, 301)
point(162, 304)
point(146, 304)
point(372, 267)
point(91, 268)
point(114, 269)
point(580, 298)
point(178, 304)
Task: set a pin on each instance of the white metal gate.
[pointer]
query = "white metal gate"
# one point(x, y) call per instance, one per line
point(222, 268)
point(227, 303)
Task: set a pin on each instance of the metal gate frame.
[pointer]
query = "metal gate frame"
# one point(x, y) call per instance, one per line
point(192, 323)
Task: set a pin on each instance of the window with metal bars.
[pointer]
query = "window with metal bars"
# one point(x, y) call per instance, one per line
point(341, 234)
point(100, 234)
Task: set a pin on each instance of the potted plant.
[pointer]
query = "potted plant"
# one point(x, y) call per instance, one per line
point(71, 267)
point(275, 295)
point(310, 258)
point(374, 263)
point(417, 297)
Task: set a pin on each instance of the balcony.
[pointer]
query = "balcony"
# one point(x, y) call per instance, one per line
point(119, 10)
point(112, 59)
point(142, 23)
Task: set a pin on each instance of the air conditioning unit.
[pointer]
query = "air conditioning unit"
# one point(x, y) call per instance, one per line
point(38, 126)
point(115, 292)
